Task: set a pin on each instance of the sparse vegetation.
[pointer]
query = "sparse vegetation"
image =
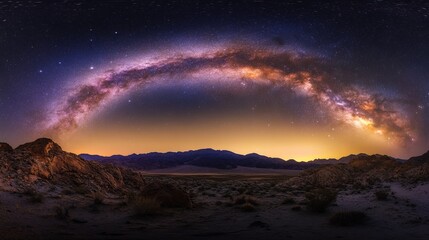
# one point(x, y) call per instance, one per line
point(349, 218)
point(98, 198)
point(320, 199)
point(243, 199)
point(144, 206)
point(248, 207)
point(296, 208)
point(131, 198)
point(35, 197)
point(61, 212)
point(381, 195)
point(288, 201)
point(244, 202)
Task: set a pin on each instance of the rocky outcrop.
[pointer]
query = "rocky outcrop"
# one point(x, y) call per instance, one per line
point(422, 159)
point(44, 162)
point(5, 148)
point(363, 171)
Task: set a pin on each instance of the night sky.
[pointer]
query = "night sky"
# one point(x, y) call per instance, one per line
point(286, 79)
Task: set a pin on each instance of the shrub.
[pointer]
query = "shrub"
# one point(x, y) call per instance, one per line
point(349, 218)
point(381, 195)
point(248, 207)
point(61, 212)
point(288, 201)
point(241, 190)
point(35, 197)
point(243, 199)
point(296, 208)
point(144, 206)
point(227, 195)
point(168, 195)
point(320, 199)
point(131, 197)
point(98, 198)
point(245, 202)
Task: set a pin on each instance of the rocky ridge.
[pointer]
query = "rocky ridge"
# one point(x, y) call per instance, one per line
point(43, 163)
point(364, 171)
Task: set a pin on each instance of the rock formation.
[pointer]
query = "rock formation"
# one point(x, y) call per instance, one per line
point(44, 163)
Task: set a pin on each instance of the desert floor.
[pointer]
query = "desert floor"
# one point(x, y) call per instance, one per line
point(404, 215)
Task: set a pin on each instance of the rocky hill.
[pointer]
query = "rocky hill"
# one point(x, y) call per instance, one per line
point(422, 159)
point(347, 159)
point(44, 164)
point(364, 171)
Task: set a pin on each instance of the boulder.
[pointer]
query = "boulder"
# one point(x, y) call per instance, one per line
point(4, 147)
point(40, 147)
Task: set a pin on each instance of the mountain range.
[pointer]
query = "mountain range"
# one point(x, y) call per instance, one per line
point(219, 159)
point(45, 164)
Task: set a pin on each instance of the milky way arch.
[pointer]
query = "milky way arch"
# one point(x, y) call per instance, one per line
point(305, 74)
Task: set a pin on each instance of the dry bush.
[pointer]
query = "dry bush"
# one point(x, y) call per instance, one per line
point(131, 197)
point(144, 206)
point(248, 207)
point(61, 212)
point(349, 218)
point(296, 208)
point(243, 199)
point(381, 195)
point(35, 197)
point(98, 198)
point(244, 202)
point(288, 201)
point(320, 199)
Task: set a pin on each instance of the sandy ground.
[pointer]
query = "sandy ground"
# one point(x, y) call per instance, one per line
point(405, 215)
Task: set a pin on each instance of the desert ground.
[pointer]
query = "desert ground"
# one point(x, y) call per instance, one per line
point(224, 206)
point(47, 193)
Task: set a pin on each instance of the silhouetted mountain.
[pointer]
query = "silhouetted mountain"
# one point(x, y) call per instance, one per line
point(348, 159)
point(420, 159)
point(321, 161)
point(201, 158)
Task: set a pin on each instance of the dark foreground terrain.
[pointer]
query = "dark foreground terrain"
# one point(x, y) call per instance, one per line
point(49, 194)
point(223, 208)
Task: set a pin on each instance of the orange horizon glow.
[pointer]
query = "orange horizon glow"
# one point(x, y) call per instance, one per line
point(275, 139)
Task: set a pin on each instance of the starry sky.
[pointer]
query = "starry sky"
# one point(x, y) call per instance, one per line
point(290, 79)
